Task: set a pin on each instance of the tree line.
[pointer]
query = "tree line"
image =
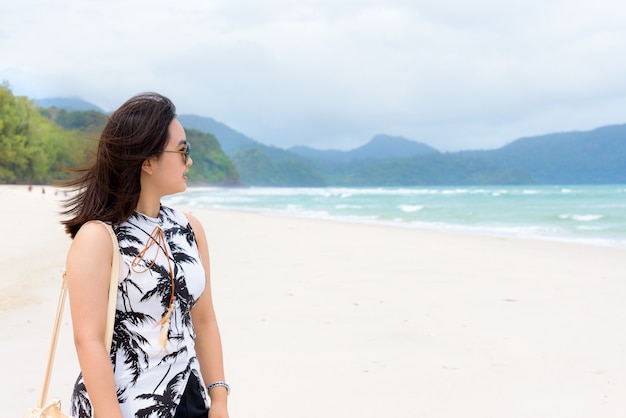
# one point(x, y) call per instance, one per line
point(34, 149)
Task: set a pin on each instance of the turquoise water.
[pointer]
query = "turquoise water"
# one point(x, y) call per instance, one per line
point(587, 214)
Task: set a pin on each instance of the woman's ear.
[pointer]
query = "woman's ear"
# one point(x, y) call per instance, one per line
point(146, 167)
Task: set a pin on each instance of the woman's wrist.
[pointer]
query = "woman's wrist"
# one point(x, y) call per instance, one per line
point(219, 384)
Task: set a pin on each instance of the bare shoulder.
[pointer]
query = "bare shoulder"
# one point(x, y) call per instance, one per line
point(93, 236)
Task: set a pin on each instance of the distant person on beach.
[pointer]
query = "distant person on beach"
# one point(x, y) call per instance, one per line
point(166, 355)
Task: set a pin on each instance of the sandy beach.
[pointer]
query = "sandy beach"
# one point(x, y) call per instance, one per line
point(328, 319)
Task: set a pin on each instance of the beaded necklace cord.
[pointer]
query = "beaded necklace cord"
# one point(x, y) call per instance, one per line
point(158, 237)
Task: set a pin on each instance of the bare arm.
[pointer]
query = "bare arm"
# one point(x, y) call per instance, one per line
point(208, 340)
point(88, 268)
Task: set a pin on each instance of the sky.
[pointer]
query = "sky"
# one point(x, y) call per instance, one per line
point(331, 74)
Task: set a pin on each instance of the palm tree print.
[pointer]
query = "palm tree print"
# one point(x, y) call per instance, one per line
point(149, 380)
point(163, 405)
point(80, 401)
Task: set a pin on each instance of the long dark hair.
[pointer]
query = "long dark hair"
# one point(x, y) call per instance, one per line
point(109, 189)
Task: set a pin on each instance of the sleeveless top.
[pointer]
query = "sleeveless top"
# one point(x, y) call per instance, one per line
point(151, 371)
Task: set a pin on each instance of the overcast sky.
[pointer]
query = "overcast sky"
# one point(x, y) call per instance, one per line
point(455, 74)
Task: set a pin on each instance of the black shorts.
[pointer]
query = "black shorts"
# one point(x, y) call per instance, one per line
point(192, 402)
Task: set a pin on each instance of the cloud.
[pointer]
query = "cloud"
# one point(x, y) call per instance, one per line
point(453, 74)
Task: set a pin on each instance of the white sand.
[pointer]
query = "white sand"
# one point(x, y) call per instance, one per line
point(324, 319)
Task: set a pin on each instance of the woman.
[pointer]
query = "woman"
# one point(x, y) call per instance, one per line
point(166, 344)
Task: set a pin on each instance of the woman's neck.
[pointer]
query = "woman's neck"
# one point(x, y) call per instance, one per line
point(149, 207)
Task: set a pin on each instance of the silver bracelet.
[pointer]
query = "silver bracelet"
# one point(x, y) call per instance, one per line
point(216, 384)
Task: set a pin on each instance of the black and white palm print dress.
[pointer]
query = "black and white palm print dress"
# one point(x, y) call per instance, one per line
point(151, 372)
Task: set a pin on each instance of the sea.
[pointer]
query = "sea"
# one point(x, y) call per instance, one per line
point(588, 214)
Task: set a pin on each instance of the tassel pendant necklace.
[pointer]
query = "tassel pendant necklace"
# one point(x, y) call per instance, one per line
point(158, 237)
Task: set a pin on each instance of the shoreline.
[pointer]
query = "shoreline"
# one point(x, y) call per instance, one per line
point(594, 242)
point(581, 231)
point(338, 319)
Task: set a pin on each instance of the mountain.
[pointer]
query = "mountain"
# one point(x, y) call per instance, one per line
point(592, 157)
point(257, 164)
point(596, 156)
point(386, 146)
point(314, 154)
point(379, 147)
point(274, 167)
point(68, 103)
point(230, 139)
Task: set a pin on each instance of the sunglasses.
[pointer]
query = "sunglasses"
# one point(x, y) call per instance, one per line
point(185, 153)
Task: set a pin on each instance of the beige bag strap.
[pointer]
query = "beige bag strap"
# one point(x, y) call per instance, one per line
point(115, 272)
point(112, 302)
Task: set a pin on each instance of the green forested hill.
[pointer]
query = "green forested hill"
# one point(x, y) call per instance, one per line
point(230, 140)
point(591, 157)
point(257, 164)
point(35, 143)
point(269, 166)
point(210, 165)
point(87, 121)
point(32, 147)
point(423, 170)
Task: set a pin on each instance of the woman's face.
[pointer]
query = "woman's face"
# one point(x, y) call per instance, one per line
point(172, 165)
